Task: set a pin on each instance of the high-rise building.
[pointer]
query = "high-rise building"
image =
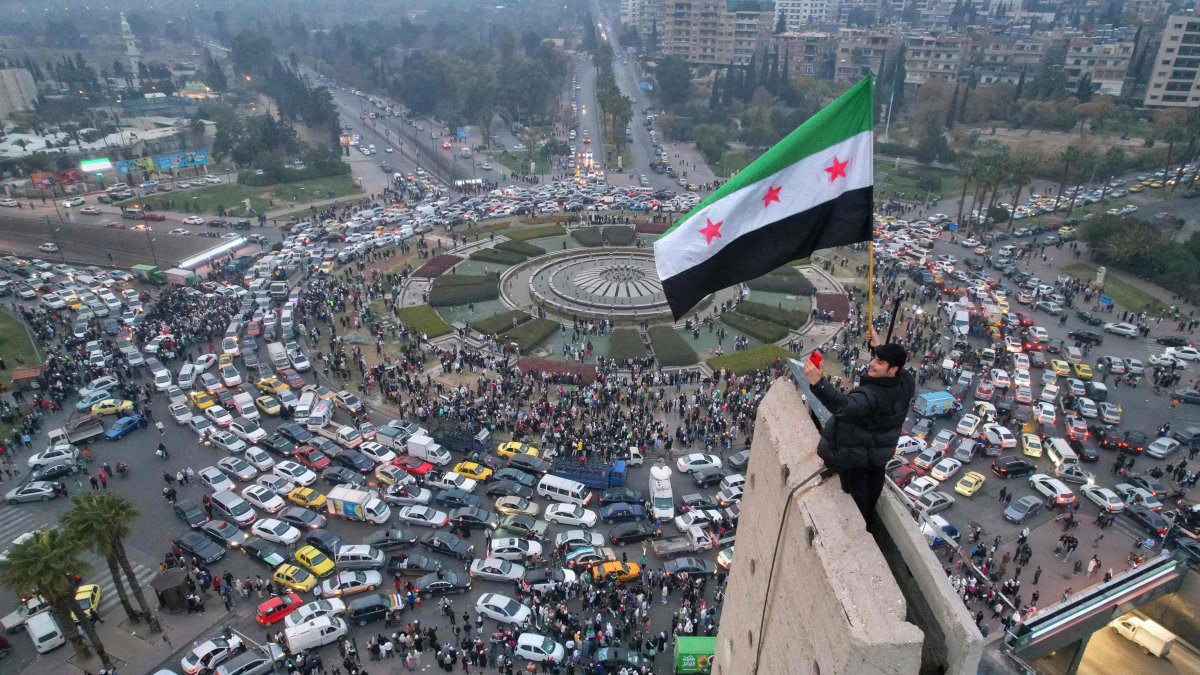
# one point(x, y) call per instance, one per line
point(1105, 61)
point(131, 50)
point(800, 14)
point(1175, 77)
point(716, 32)
point(934, 56)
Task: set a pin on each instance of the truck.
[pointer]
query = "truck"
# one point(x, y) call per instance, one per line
point(595, 473)
point(937, 404)
point(77, 431)
point(181, 277)
point(693, 540)
point(662, 499)
point(694, 654)
point(395, 434)
point(464, 439)
point(353, 503)
point(344, 435)
point(13, 621)
point(278, 354)
point(424, 447)
point(147, 274)
point(1147, 634)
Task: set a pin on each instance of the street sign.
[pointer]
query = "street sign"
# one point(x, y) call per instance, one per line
point(1106, 300)
point(954, 227)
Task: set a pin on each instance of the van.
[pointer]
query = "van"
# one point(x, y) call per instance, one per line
point(307, 400)
point(44, 631)
point(244, 404)
point(278, 289)
point(1073, 354)
point(319, 416)
point(368, 608)
point(235, 509)
point(937, 404)
point(563, 490)
point(233, 329)
point(316, 633)
point(359, 557)
point(1059, 452)
point(285, 322)
point(962, 322)
point(162, 378)
point(1097, 391)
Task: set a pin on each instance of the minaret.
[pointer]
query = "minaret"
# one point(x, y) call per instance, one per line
point(131, 50)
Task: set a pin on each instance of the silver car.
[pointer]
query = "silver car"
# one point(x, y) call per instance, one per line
point(35, 491)
point(238, 468)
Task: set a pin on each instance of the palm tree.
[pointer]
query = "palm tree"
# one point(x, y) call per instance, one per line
point(1069, 158)
point(102, 521)
point(1020, 172)
point(47, 565)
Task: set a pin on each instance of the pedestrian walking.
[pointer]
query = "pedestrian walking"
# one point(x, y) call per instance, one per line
point(1003, 493)
point(1037, 574)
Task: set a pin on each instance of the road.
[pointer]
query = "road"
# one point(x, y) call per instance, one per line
point(1108, 652)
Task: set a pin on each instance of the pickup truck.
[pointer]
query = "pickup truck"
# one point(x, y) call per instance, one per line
point(463, 439)
point(694, 540)
point(77, 431)
point(13, 621)
point(343, 435)
point(596, 474)
point(395, 435)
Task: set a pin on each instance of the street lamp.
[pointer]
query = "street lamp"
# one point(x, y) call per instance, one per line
point(150, 241)
point(231, 631)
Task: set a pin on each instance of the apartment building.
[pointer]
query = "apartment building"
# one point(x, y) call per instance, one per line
point(715, 32)
point(808, 54)
point(801, 14)
point(1173, 80)
point(934, 56)
point(643, 15)
point(1001, 58)
point(859, 51)
point(1105, 61)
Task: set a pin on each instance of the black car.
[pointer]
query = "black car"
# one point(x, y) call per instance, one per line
point(339, 475)
point(508, 488)
point(473, 517)
point(1054, 346)
point(302, 518)
point(1134, 442)
point(455, 498)
point(296, 433)
point(200, 547)
point(1188, 395)
point(1086, 336)
point(493, 462)
point(615, 495)
point(696, 501)
point(1106, 437)
point(691, 565)
point(1086, 451)
point(1174, 341)
point(516, 475)
point(355, 461)
point(443, 583)
point(327, 542)
point(412, 565)
point(367, 608)
point(708, 476)
point(55, 470)
point(278, 444)
point(616, 658)
point(1008, 467)
point(1037, 359)
point(738, 461)
point(450, 544)
point(1089, 318)
point(1149, 484)
point(529, 463)
point(264, 552)
point(224, 533)
point(191, 513)
point(1151, 521)
point(628, 533)
point(391, 539)
point(327, 447)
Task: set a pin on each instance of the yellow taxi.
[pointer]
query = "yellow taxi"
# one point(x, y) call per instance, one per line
point(1082, 370)
point(295, 578)
point(270, 385)
point(307, 497)
point(616, 571)
point(224, 360)
point(1060, 367)
point(1137, 188)
point(969, 484)
point(267, 405)
point(313, 560)
point(201, 400)
point(1155, 184)
point(1031, 444)
point(74, 302)
point(88, 597)
point(1003, 306)
point(473, 470)
point(326, 267)
point(516, 448)
point(112, 406)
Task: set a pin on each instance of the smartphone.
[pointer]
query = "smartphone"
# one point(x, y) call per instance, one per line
point(814, 358)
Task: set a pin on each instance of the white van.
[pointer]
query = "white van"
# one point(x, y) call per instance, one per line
point(359, 557)
point(187, 376)
point(244, 404)
point(1060, 453)
point(962, 322)
point(319, 416)
point(307, 400)
point(563, 490)
point(662, 499)
point(45, 632)
point(285, 321)
point(316, 633)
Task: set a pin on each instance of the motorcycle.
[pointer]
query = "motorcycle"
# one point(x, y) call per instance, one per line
point(122, 469)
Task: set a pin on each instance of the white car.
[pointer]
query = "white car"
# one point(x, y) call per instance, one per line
point(1045, 413)
point(1167, 360)
point(1000, 436)
point(496, 569)
point(193, 220)
point(376, 452)
point(697, 461)
point(315, 610)
point(264, 498)
point(537, 648)
point(216, 479)
point(206, 656)
point(1161, 448)
point(919, 486)
point(945, 469)
point(218, 415)
point(967, 425)
point(910, 445)
point(1000, 378)
point(227, 441)
point(1185, 353)
point(1128, 330)
point(259, 458)
point(1110, 413)
point(1053, 488)
point(515, 548)
point(180, 230)
point(180, 413)
point(449, 480)
point(53, 455)
point(204, 362)
point(295, 472)
point(247, 430)
point(1103, 497)
point(350, 582)
point(1022, 378)
point(276, 531)
point(48, 247)
point(105, 383)
point(1087, 407)
point(569, 514)
point(1133, 494)
point(200, 425)
point(503, 609)
point(230, 376)
point(423, 516)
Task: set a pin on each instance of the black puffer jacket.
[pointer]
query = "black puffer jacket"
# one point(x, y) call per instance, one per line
point(866, 421)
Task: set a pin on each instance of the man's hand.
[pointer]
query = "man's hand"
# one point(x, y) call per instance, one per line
point(812, 372)
point(873, 338)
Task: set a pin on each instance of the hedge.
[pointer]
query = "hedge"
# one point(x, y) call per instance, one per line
point(522, 247)
point(626, 343)
point(619, 235)
point(588, 236)
point(465, 280)
point(458, 293)
point(763, 331)
point(749, 360)
point(654, 228)
point(498, 323)
point(779, 281)
point(423, 319)
point(531, 333)
point(791, 318)
point(494, 256)
point(670, 349)
point(437, 266)
point(527, 233)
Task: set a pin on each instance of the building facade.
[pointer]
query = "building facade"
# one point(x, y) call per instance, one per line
point(808, 54)
point(1174, 79)
point(934, 56)
point(1106, 62)
point(1002, 58)
point(800, 14)
point(860, 50)
point(18, 91)
point(715, 32)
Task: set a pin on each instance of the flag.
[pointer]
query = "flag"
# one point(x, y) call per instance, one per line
point(810, 191)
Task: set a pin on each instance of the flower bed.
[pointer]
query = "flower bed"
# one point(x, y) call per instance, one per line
point(536, 232)
point(763, 331)
point(750, 360)
point(437, 266)
point(529, 364)
point(462, 289)
point(493, 255)
point(653, 228)
point(523, 247)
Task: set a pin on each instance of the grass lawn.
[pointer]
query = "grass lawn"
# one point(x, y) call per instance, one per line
point(19, 353)
point(209, 200)
point(749, 360)
point(733, 162)
point(914, 182)
point(1127, 296)
point(423, 319)
point(519, 162)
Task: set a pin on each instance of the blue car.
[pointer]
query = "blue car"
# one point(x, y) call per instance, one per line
point(123, 426)
point(622, 511)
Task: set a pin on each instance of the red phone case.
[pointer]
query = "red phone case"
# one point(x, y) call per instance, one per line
point(815, 357)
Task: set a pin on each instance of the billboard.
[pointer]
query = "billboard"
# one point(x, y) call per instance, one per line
point(93, 165)
point(43, 179)
point(181, 160)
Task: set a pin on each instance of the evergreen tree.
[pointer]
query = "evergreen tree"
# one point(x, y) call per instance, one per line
point(962, 102)
point(654, 36)
point(1085, 89)
point(781, 23)
point(899, 74)
point(1020, 86)
point(880, 83)
point(764, 78)
point(773, 85)
point(750, 79)
point(731, 88)
point(785, 73)
point(952, 108)
point(714, 98)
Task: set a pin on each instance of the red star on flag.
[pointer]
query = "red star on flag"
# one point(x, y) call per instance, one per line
point(772, 195)
point(711, 230)
point(837, 170)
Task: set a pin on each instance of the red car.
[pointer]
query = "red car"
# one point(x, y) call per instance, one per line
point(311, 457)
point(156, 217)
point(414, 466)
point(277, 608)
point(291, 378)
point(903, 475)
